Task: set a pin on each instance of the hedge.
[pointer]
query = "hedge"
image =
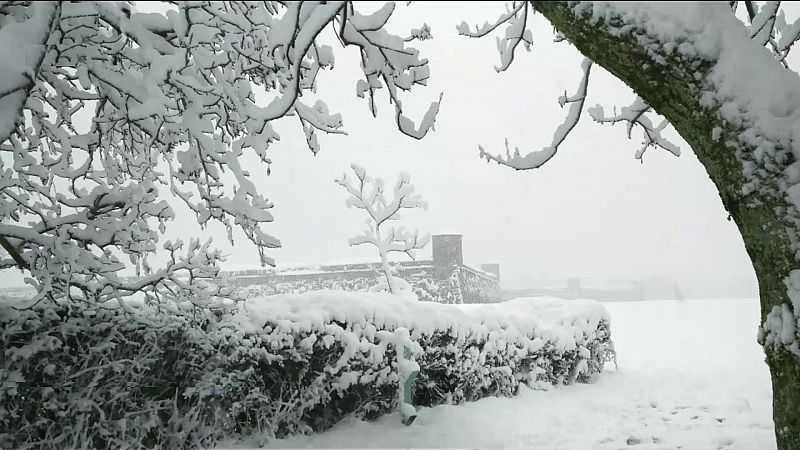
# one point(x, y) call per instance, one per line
point(76, 375)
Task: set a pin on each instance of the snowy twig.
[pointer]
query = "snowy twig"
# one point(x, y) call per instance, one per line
point(636, 115)
point(516, 17)
point(536, 159)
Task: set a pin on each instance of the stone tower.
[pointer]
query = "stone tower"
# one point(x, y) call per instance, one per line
point(447, 251)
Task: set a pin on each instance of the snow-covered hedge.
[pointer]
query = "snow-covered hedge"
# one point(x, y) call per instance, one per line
point(81, 376)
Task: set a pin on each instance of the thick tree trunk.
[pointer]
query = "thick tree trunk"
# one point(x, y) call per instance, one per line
point(673, 91)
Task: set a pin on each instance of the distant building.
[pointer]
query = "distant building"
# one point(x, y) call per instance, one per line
point(444, 278)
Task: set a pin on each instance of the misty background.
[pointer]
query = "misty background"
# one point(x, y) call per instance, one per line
point(593, 212)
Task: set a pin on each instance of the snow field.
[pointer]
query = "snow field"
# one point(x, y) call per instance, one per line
point(690, 376)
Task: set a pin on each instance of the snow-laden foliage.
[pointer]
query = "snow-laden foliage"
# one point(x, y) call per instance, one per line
point(105, 110)
point(80, 376)
point(467, 351)
point(369, 195)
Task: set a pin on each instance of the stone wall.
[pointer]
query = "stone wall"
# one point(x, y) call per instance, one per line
point(459, 284)
point(443, 279)
point(478, 286)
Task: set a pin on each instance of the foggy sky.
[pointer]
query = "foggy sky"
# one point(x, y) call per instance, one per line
point(592, 211)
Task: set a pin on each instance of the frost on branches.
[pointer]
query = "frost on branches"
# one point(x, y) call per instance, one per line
point(369, 195)
point(104, 112)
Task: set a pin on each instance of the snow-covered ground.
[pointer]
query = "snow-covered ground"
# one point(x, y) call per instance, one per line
point(690, 376)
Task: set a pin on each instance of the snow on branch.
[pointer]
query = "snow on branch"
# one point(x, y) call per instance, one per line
point(536, 159)
point(388, 63)
point(768, 26)
point(787, 35)
point(369, 195)
point(516, 31)
point(23, 33)
point(636, 115)
point(422, 33)
point(762, 28)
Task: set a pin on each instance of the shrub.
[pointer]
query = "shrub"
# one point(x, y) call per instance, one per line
point(74, 375)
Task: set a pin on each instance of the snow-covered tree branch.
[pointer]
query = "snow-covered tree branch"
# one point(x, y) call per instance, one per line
point(636, 115)
point(538, 158)
point(368, 194)
point(516, 31)
point(102, 108)
point(767, 26)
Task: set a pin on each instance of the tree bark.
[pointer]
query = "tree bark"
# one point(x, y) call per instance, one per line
point(674, 92)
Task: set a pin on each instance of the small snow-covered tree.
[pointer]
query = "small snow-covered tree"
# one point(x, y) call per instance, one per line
point(369, 195)
point(103, 108)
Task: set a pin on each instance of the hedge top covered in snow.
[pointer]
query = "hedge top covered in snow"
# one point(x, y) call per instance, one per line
point(558, 321)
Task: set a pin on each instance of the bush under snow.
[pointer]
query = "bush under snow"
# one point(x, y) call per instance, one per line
point(82, 376)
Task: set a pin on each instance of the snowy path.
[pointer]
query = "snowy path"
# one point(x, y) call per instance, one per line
point(690, 376)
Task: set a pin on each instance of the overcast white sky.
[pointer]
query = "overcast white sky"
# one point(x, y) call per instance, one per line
point(593, 211)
